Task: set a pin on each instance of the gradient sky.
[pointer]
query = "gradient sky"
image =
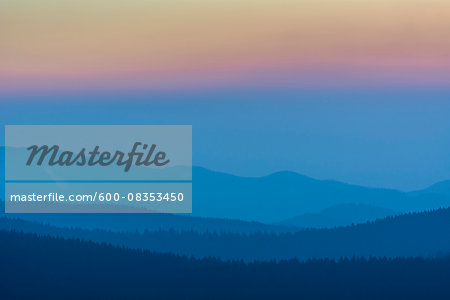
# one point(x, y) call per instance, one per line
point(396, 139)
point(357, 91)
point(166, 45)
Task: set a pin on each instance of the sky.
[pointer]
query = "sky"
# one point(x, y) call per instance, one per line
point(182, 44)
point(393, 139)
point(357, 91)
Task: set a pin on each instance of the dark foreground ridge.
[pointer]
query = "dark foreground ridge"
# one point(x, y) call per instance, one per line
point(40, 266)
point(422, 234)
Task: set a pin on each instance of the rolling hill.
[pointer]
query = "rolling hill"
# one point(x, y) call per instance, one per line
point(42, 267)
point(284, 195)
point(422, 234)
point(440, 188)
point(339, 215)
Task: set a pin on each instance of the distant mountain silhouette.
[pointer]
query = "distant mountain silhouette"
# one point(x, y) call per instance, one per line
point(151, 222)
point(440, 188)
point(286, 195)
point(423, 234)
point(40, 267)
point(339, 215)
point(2, 172)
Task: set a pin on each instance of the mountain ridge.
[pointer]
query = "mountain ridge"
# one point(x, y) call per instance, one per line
point(140, 274)
point(441, 188)
point(284, 195)
point(339, 215)
point(418, 234)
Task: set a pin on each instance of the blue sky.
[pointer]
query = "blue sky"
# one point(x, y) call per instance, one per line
point(393, 139)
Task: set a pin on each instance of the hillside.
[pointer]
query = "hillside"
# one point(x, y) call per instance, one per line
point(440, 188)
point(424, 234)
point(278, 197)
point(285, 195)
point(151, 222)
point(44, 267)
point(339, 215)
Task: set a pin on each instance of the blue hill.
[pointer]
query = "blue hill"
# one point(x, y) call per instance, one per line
point(339, 215)
point(273, 198)
point(423, 234)
point(285, 195)
point(42, 267)
point(440, 188)
point(150, 222)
